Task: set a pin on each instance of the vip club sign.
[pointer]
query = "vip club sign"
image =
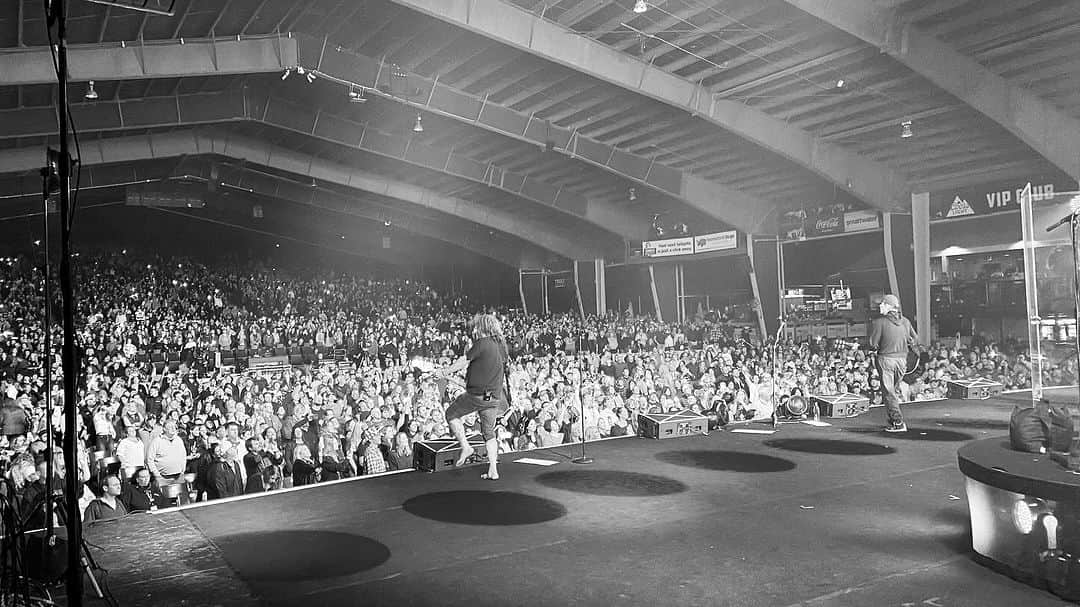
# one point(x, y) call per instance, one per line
point(997, 197)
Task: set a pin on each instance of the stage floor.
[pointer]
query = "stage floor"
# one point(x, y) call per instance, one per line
point(841, 515)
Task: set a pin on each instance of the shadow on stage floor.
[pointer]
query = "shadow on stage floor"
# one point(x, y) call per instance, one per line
point(838, 515)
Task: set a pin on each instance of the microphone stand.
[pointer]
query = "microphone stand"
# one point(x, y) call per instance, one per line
point(775, 361)
point(584, 459)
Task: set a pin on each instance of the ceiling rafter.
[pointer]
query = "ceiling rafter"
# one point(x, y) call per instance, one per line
point(878, 185)
point(1040, 125)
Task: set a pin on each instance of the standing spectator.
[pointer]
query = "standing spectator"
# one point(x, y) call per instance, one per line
point(224, 473)
point(167, 457)
point(131, 452)
point(401, 456)
point(303, 469)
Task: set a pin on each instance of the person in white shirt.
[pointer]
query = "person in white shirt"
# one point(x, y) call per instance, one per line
point(167, 456)
point(130, 451)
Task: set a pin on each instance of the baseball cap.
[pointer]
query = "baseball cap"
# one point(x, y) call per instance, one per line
point(891, 300)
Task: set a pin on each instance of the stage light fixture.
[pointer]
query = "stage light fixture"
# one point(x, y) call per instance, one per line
point(1026, 512)
point(310, 77)
point(387, 223)
point(840, 83)
point(905, 130)
point(419, 126)
point(633, 194)
point(357, 96)
point(286, 73)
point(90, 92)
point(640, 6)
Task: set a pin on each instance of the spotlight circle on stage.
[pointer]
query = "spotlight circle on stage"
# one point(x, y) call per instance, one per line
point(611, 482)
point(495, 508)
point(310, 554)
point(829, 447)
point(728, 461)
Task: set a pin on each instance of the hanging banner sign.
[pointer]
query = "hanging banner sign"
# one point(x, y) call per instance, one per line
point(860, 221)
point(824, 220)
point(720, 241)
point(667, 248)
point(792, 224)
point(994, 198)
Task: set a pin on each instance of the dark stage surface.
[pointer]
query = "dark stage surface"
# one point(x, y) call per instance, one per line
point(843, 515)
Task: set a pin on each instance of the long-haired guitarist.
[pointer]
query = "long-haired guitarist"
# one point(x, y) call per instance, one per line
point(485, 388)
point(892, 336)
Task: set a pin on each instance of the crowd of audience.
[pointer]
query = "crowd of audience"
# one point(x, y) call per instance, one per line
point(154, 433)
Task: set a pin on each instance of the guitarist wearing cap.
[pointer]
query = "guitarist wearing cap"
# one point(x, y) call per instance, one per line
point(892, 336)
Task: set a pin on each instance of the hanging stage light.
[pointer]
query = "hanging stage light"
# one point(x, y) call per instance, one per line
point(419, 126)
point(640, 6)
point(286, 73)
point(90, 92)
point(357, 96)
point(905, 130)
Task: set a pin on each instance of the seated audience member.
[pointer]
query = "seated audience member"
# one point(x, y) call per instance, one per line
point(141, 495)
point(107, 504)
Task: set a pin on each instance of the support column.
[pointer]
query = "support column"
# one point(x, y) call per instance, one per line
point(655, 296)
point(577, 291)
point(920, 229)
point(900, 259)
point(766, 266)
point(600, 272)
point(521, 291)
point(754, 288)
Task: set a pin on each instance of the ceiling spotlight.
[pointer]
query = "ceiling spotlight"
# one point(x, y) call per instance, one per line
point(37, 243)
point(357, 96)
point(286, 73)
point(90, 92)
point(386, 223)
point(633, 194)
point(277, 245)
point(300, 70)
point(640, 6)
point(905, 130)
point(310, 77)
point(840, 83)
point(419, 126)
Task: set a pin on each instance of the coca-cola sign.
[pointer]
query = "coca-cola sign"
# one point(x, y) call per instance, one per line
point(828, 219)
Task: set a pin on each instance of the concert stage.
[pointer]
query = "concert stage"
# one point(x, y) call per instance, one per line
point(842, 515)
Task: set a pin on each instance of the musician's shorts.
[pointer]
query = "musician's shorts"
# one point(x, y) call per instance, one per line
point(488, 411)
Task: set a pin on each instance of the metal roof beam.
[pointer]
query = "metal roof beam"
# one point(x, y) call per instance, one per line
point(1042, 126)
point(876, 184)
point(734, 207)
point(192, 142)
point(171, 59)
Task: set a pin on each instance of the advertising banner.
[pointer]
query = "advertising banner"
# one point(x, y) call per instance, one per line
point(792, 224)
point(860, 221)
point(667, 248)
point(719, 241)
point(825, 220)
point(996, 197)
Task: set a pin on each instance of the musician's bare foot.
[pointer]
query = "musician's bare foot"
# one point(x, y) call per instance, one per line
point(466, 453)
point(490, 476)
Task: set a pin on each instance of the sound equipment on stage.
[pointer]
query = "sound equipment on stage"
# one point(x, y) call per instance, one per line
point(672, 425)
point(441, 454)
point(977, 388)
point(840, 405)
